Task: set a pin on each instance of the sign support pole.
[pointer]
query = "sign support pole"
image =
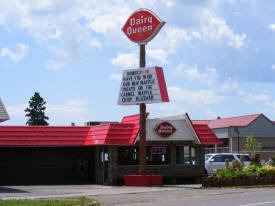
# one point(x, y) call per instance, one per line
point(142, 121)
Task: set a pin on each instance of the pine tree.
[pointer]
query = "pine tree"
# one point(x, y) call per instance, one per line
point(36, 111)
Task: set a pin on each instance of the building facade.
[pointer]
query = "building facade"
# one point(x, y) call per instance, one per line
point(103, 154)
point(234, 130)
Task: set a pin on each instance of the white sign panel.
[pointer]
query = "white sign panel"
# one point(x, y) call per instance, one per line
point(143, 85)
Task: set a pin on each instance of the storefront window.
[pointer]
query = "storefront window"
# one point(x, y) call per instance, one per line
point(128, 155)
point(186, 155)
point(158, 155)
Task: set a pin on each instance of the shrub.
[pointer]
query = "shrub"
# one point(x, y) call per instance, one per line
point(254, 170)
point(269, 170)
point(224, 173)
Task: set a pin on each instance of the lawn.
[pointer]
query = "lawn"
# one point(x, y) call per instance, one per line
point(82, 201)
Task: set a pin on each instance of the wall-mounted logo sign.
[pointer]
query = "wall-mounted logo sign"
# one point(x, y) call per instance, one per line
point(144, 85)
point(165, 129)
point(142, 26)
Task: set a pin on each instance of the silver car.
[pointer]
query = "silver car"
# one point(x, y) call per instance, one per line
point(216, 161)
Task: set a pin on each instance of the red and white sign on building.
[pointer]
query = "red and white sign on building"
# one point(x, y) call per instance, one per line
point(143, 85)
point(142, 26)
point(165, 129)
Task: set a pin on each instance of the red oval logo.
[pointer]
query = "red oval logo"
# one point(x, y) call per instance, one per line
point(165, 129)
point(142, 26)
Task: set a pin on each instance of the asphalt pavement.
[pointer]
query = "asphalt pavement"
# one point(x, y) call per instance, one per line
point(59, 191)
point(176, 195)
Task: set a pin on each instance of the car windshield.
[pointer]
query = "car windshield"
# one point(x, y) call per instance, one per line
point(207, 157)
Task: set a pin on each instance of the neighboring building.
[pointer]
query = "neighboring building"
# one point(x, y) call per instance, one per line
point(103, 154)
point(229, 129)
point(3, 112)
point(94, 123)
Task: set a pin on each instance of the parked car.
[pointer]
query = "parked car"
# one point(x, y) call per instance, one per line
point(217, 160)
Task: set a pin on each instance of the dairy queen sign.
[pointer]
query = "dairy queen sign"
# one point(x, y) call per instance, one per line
point(165, 129)
point(142, 26)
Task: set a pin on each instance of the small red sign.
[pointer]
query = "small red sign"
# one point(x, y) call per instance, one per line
point(158, 150)
point(165, 129)
point(142, 26)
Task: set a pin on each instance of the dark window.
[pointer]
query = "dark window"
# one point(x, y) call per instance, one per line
point(158, 155)
point(186, 155)
point(128, 155)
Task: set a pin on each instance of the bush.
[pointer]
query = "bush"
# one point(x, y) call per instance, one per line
point(254, 170)
point(224, 174)
point(251, 170)
point(269, 170)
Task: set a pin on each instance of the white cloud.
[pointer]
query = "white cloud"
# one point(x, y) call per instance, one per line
point(171, 39)
point(211, 114)
point(272, 26)
point(158, 54)
point(207, 77)
point(167, 109)
point(20, 52)
point(16, 110)
point(64, 114)
point(129, 61)
point(76, 102)
point(216, 28)
point(272, 105)
point(116, 77)
point(52, 24)
point(199, 96)
point(231, 87)
point(196, 34)
point(273, 66)
point(53, 65)
point(250, 98)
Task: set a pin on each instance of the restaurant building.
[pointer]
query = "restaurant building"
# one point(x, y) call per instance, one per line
point(103, 154)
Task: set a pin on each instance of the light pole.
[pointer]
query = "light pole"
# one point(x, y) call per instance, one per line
point(238, 132)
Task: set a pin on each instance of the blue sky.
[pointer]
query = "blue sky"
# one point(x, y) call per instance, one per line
point(217, 56)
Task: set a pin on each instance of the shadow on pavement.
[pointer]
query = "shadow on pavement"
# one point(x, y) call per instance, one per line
point(11, 190)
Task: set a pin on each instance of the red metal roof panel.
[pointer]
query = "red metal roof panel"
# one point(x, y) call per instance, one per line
point(205, 134)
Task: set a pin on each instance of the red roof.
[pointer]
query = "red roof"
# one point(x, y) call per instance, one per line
point(240, 121)
point(114, 133)
point(205, 134)
point(123, 133)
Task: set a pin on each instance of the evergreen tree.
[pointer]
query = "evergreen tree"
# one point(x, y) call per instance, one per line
point(36, 110)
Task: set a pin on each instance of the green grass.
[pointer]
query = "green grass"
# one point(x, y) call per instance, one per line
point(82, 201)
